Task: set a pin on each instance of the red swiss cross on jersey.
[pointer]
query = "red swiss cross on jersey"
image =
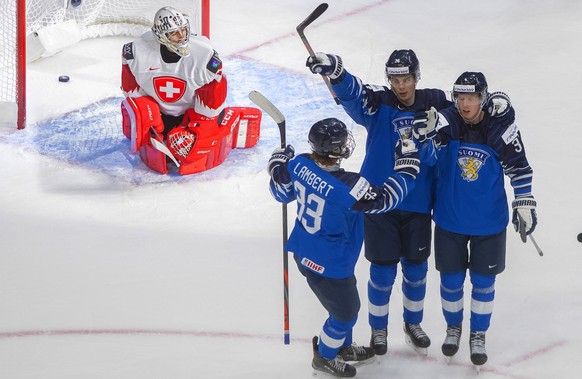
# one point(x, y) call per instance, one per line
point(169, 89)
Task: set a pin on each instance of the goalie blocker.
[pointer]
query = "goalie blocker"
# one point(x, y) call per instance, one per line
point(199, 143)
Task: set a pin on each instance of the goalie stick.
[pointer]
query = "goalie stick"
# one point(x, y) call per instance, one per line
point(268, 107)
point(157, 143)
point(301, 31)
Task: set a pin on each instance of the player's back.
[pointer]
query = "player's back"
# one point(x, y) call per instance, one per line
point(327, 231)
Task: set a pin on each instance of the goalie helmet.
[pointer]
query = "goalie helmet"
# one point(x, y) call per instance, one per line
point(168, 21)
point(471, 82)
point(331, 138)
point(402, 62)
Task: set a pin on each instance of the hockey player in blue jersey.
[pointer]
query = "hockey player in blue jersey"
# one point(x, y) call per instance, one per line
point(470, 211)
point(404, 234)
point(328, 233)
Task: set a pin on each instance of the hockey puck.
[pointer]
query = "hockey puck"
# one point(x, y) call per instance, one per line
point(63, 78)
point(580, 237)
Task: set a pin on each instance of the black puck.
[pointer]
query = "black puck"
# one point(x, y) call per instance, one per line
point(580, 237)
point(63, 78)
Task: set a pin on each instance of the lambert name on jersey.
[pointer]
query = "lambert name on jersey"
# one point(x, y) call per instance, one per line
point(312, 179)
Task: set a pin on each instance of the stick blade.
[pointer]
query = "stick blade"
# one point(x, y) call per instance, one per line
point(264, 103)
point(268, 107)
point(312, 17)
point(160, 146)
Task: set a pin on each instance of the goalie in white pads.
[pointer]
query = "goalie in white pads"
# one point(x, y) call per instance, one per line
point(174, 84)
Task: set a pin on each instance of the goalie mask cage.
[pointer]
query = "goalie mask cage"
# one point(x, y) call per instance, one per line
point(25, 20)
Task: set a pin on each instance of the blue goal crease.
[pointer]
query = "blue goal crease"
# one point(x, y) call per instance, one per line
point(91, 137)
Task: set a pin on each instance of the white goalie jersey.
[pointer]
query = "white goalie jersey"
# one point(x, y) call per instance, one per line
point(194, 81)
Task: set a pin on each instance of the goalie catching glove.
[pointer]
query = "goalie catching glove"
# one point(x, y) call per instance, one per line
point(406, 159)
point(325, 64)
point(180, 142)
point(524, 218)
point(280, 156)
point(424, 125)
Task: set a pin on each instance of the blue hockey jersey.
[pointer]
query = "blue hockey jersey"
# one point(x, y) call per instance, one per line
point(386, 120)
point(329, 229)
point(470, 191)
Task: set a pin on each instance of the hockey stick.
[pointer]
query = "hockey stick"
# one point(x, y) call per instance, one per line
point(531, 237)
point(157, 143)
point(301, 31)
point(524, 236)
point(268, 107)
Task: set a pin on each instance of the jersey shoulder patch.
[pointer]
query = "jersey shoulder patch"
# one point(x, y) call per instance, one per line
point(510, 134)
point(360, 188)
point(214, 64)
point(127, 51)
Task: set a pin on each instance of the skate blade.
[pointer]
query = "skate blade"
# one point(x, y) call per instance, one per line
point(322, 375)
point(364, 362)
point(419, 350)
point(477, 369)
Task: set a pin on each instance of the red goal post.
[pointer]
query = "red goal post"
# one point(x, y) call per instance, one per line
point(34, 29)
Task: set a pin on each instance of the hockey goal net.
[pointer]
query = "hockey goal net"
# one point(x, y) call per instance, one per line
point(33, 29)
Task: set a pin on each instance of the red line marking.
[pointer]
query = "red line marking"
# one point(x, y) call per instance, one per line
point(118, 332)
point(316, 25)
point(535, 353)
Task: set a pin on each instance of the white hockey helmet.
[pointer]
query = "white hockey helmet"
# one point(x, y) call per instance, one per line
point(168, 21)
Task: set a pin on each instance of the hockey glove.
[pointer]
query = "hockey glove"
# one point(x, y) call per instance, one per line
point(498, 104)
point(406, 159)
point(524, 218)
point(280, 156)
point(326, 65)
point(424, 125)
point(180, 141)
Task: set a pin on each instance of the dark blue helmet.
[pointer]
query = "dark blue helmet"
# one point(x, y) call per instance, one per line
point(331, 138)
point(403, 62)
point(471, 82)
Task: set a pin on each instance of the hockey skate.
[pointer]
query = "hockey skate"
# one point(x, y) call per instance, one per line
point(451, 344)
point(416, 338)
point(336, 367)
point(358, 355)
point(477, 346)
point(379, 341)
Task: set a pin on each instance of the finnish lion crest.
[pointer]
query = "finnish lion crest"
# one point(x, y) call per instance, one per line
point(403, 125)
point(470, 160)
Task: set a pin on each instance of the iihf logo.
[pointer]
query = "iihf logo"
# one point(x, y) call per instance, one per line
point(470, 160)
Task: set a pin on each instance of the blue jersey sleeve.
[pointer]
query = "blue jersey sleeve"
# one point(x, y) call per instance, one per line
point(361, 102)
point(505, 138)
point(280, 184)
point(372, 199)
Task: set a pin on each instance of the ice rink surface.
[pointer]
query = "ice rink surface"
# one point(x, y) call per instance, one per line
point(110, 271)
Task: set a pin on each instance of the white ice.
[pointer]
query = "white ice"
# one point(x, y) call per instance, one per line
point(105, 277)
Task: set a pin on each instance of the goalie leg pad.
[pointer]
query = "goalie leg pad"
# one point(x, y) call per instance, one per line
point(153, 158)
point(201, 146)
point(245, 123)
point(211, 139)
point(138, 114)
